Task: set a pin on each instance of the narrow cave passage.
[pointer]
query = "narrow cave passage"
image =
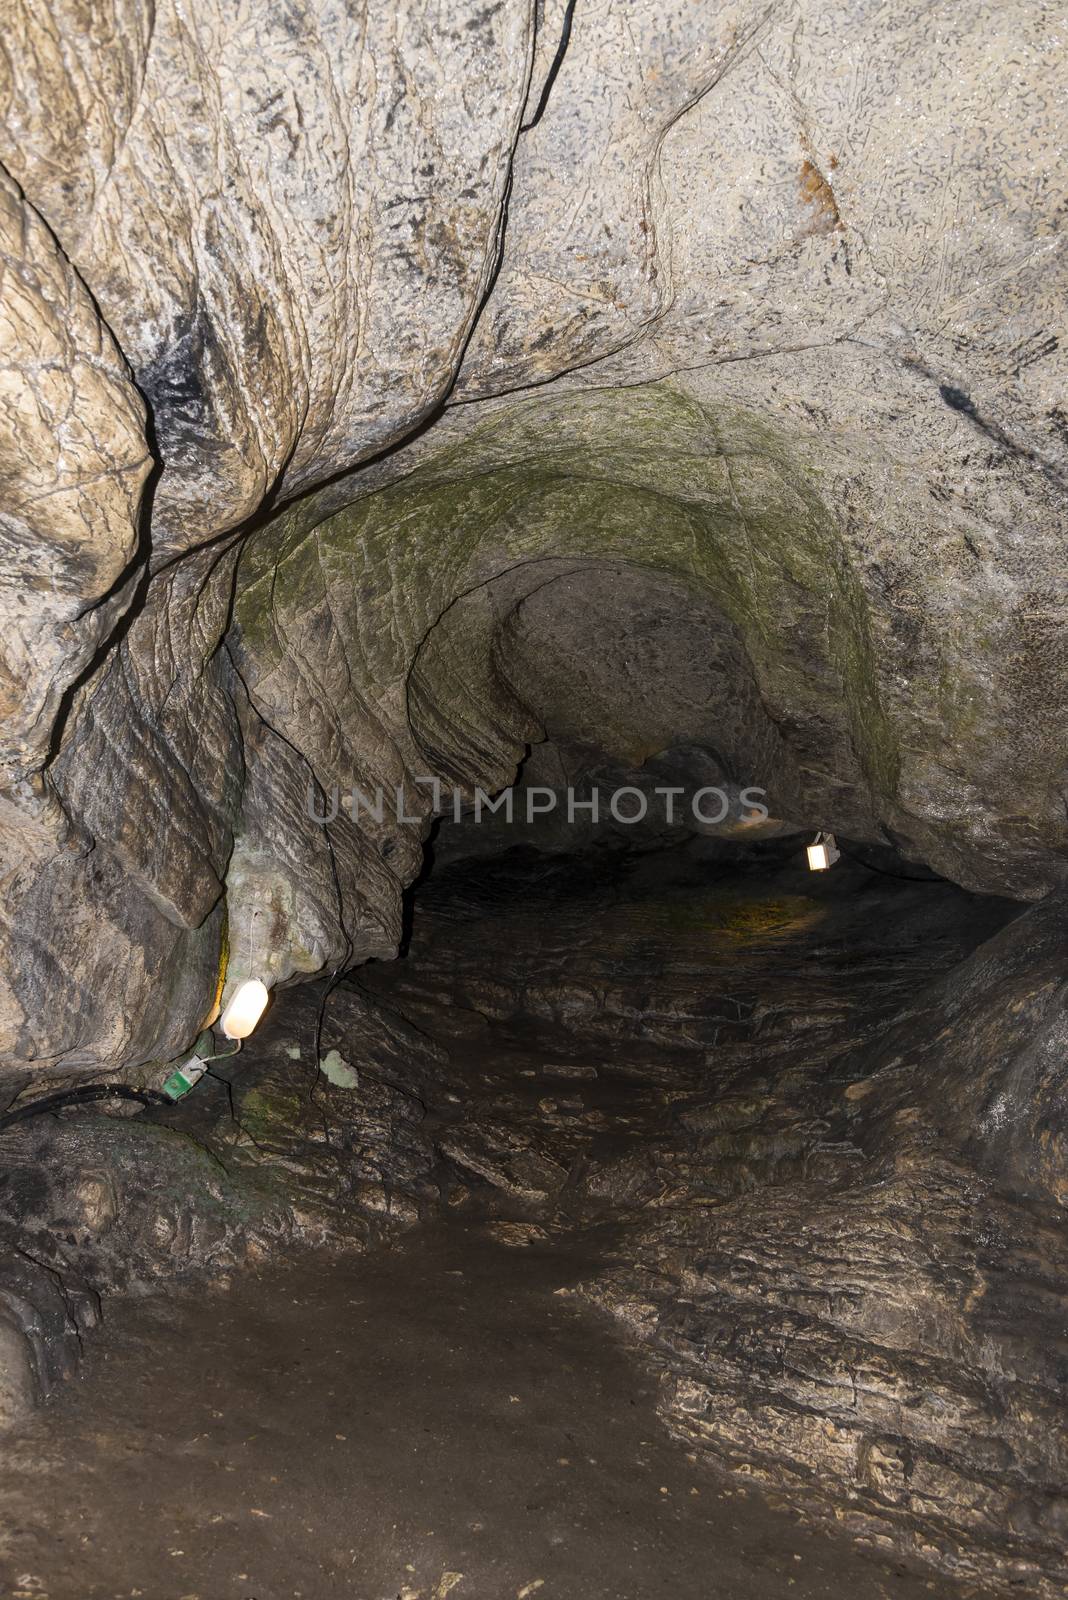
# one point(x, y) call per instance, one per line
point(533, 800)
point(610, 1096)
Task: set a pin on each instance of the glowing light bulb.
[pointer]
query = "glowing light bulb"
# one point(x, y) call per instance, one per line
point(822, 852)
point(245, 1009)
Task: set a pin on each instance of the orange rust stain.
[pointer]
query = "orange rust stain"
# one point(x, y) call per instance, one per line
point(817, 193)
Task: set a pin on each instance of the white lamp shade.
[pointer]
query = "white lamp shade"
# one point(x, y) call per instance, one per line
point(245, 1009)
point(818, 859)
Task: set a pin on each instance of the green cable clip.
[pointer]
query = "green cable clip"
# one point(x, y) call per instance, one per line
point(189, 1074)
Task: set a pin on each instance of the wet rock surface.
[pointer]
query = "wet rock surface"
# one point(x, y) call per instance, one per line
point(95, 1204)
point(702, 1083)
point(393, 404)
point(842, 1301)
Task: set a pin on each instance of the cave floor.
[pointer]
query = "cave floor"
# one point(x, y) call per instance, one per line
point(570, 1117)
point(439, 1419)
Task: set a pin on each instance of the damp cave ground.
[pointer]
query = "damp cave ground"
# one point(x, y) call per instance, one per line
point(452, 1414)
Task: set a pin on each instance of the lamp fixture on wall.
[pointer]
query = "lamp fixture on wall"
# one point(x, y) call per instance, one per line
point(245, 1009)
point(822, 852)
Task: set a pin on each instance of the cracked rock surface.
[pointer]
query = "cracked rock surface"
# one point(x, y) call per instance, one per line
point(397, 404)
point(318, 325)
point(725, 1078)
point(697, 1086)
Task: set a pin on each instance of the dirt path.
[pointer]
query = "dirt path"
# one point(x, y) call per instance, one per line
point(436, 1420)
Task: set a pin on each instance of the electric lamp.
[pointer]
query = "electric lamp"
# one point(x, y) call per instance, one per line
point(245, 1009)
point(822, 852)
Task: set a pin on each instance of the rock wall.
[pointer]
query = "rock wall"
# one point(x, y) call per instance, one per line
point(803, 1125)
point(315, 329)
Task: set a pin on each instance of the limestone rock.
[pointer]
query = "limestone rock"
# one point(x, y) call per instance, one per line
point(263, 250)
point(676, 388)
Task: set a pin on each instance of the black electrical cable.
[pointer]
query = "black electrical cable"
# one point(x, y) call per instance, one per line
point(342, 966)
point(906, 877)
point(89, 1093)
point(338, 972)
point(86, 1095)
point(884, 872)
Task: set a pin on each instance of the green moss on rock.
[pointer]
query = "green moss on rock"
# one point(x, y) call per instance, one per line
point(645, 475)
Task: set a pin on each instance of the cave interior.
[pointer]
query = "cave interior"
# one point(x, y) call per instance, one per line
point(533, 803)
